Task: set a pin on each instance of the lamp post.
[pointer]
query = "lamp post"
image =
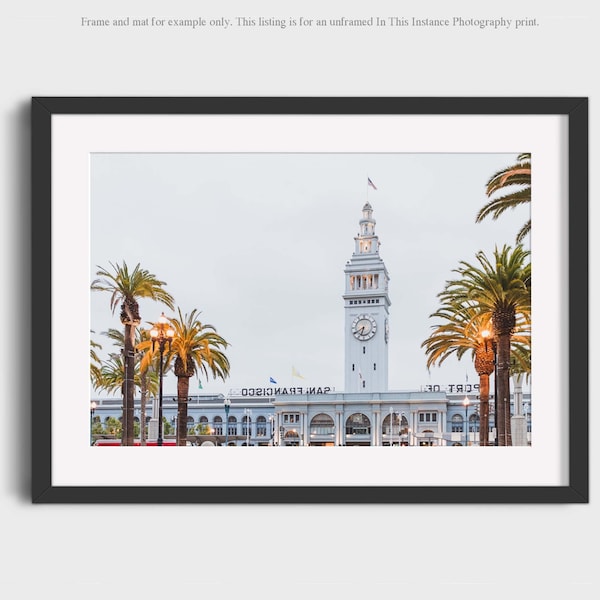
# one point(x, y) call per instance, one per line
point(272, 425)
point(466, 403)
point(162, 333)
point(227, 405)
point(485, 365)
point(248, 412)
point(486, 334)
point(93, 406)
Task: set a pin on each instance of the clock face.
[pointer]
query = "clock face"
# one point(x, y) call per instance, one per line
point(364, 327)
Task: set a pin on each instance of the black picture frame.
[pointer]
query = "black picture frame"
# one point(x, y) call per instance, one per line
point(43, 109)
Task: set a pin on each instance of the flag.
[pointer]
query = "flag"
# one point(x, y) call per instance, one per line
point(371, 183)
point(271, 380)
point(199, 384)
point(296, 374)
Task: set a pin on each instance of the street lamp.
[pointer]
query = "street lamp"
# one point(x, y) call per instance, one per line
point(93, 406)
point(466, 403)
point(227, 404)
point(486, 334)
point(272, 425)
point(162, 333)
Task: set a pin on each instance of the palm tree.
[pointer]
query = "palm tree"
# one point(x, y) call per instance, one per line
point(113, 427)
point(502, 290)
point(125, 288)
point(514, 186)
point(95, 363)
point(459, 333)
point(144, 373)
point(111, 375)
point(465, 328)
point(148, 384)
point(195, 347)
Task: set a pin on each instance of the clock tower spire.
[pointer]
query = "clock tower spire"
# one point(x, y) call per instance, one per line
point(366, 306)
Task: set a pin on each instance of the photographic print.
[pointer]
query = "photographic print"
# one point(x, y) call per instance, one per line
point(299, 263)
point(307, 301)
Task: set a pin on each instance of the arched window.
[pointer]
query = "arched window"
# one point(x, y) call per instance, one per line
point(457, 424)
point(474, 423)
point(218, 425)
point(292, 438)
point(246, 425)
point(391, 424)
point(403, 424)
point(394, 426)
point(358, 424)
point(322, 424)
point(261, 426)
point(232, 426)
point(203, 426)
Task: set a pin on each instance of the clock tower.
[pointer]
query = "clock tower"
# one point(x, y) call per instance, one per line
point(366, 306)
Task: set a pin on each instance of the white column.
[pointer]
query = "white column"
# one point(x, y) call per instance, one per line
point(443, 423)
point(518, 423)
point(153, 422)
point(276, 437)
point(339, 427)
point(303, 428)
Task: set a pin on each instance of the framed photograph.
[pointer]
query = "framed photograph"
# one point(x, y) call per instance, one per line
point(310, 300)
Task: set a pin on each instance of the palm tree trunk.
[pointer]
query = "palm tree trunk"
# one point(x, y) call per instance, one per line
point(484, 408)
point(183, 388)
point(503, 399)
point(484, 365)
point(129, 387)
point(144, 394)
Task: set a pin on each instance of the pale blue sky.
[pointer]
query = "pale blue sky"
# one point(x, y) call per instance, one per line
point(258, 244)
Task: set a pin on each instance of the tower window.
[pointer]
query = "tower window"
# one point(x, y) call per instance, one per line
point(364, 350)
point(374, 366)
point(353, 366)
point(364, 383)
